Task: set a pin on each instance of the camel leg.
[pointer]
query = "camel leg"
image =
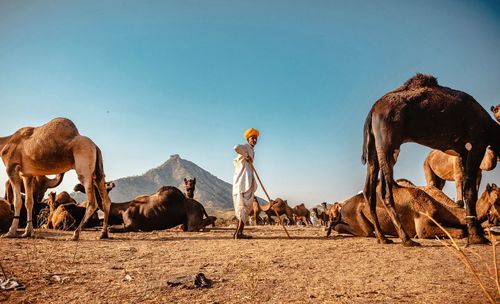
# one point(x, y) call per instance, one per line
point(106, 205)
point(15, 181)
point(28, 186)
point(370, 194)
point(475, 231)
point(91, 207)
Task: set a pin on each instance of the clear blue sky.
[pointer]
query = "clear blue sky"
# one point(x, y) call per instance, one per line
point(147, 79)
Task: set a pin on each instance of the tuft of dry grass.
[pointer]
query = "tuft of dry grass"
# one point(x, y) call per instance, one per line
point(467, 262)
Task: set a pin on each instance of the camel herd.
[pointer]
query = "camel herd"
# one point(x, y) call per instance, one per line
point(465, 139)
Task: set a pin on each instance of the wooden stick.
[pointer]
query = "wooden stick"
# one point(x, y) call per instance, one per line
point(269, 198)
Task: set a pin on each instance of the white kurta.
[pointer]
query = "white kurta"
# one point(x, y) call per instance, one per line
point(244, 184)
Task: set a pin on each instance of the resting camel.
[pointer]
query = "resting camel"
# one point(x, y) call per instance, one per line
point(53, 148)
point(6, 215)
point(190, 185)
point(353, 217)
point(441, 118)
point(164, 209)
point(440, 167)
point(302, 211)
point(58, 218)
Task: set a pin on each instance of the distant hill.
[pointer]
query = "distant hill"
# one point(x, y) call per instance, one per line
point(212, 192)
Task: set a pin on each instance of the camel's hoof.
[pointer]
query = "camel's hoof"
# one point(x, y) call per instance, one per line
point(75, 237)
point(104, 235)
point(10, 235)
point(411, 243)
point(27, 234)
point(477, 239)
point(385, 241)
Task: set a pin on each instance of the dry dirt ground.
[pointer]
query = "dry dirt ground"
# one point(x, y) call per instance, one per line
point(135, 268)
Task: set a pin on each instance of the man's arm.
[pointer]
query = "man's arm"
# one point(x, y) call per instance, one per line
point(243, 151)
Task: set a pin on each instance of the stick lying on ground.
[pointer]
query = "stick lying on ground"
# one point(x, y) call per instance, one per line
point(269, 199)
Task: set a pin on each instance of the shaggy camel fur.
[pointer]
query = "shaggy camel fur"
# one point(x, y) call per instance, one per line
point(6, 215)
point(53, 148)
point(353, 217)
point(440, 167)
point(441, 118)
point(302, 211)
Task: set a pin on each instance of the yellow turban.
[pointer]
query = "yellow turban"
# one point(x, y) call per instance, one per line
point(251, 132)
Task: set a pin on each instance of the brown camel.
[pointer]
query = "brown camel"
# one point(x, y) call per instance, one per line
point(53, 148)
point(302, 211)
point(58, 217)
point(353, 217)
point(322, 215)
point(164, 209)
point(441, 118)
point(440, 167)
point(280, 207)
point(257, 209)
point(6, 215)
point(190, 185)
point(496, 111)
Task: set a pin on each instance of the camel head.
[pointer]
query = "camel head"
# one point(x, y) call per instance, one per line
point(190, 185)
point(335, 215)
point(52, 200)
point(488, 205)
point(110, 186)
point(496, 112)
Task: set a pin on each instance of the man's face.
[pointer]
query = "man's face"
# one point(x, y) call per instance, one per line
point(252, 140)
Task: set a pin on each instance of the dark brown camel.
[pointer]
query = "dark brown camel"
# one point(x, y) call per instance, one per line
point(424, 112)
point(302, 211)
point(190, 185)
point(164, 209)
point(323, 216)
point(53, 148)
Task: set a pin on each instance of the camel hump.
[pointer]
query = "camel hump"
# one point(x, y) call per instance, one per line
point(421, 81)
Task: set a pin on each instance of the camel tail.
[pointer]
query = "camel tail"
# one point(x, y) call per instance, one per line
point(99, 169)
point(367, 137)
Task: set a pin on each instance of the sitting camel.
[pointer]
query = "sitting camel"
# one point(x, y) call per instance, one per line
point(353, 217)
point(164, 209)
point(302, 211)
point(440, 167)
point(53, 148)
point(190, 187)
point(58, 217)
point(6, 215)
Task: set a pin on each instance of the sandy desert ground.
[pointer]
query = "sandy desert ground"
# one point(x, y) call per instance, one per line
point(137, 268)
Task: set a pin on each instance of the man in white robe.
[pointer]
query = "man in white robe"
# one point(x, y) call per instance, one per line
point(244, 184)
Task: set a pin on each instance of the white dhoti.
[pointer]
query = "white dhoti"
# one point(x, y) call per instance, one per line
point(244, 184)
